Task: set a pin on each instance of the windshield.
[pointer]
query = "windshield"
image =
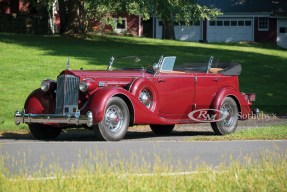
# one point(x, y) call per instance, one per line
point(197, 64)
point(132, 63)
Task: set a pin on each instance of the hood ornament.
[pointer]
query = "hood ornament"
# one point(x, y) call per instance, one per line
point(68, 64)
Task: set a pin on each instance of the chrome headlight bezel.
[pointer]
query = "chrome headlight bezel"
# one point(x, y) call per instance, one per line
point(45, 85)
point(48, 85)
point(83, 86)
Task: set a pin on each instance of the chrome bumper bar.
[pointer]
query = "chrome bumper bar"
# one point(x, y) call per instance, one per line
point(75, 119)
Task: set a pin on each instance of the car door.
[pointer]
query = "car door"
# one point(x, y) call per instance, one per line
point(176, 94)
point(205, 89)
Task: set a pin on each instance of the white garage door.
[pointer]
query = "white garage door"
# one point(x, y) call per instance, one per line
point(230, 30)
point(282, 33)
point(190, 32)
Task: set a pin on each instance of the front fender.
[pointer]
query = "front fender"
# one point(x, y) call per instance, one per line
point(39, 102)
point(99, 100)
point(242, 104)
point(141, 115)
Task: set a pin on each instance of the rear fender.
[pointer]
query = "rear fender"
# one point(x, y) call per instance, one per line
point(242, 104)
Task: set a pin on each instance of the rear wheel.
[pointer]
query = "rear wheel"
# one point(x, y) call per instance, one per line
point(229, 123)
point(115, 123)
point(44, 132)
point(162, 129)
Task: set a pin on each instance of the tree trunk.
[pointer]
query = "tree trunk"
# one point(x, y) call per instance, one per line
point(73, 19)
point(70, 16)
point(53, 28)
point(63, 16)
point(168, 30)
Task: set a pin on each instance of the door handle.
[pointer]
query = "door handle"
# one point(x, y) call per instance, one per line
point(216, 79)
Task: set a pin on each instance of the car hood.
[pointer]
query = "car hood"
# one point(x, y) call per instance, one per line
point(116, 77)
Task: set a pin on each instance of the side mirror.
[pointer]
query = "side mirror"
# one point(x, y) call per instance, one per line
point(155, 67)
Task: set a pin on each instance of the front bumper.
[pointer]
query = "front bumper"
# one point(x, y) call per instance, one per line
point(73, 119)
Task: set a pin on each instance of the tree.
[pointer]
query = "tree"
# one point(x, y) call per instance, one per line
point(70, 13)
point(99, 11)
point(171, 11)
point(78, 16)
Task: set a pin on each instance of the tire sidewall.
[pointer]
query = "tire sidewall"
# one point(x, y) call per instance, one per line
point(44, 132)
point(218, 127)
point(162, 129)
point(118, 135)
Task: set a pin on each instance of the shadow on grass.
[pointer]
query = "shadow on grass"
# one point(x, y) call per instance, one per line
point(262, 74)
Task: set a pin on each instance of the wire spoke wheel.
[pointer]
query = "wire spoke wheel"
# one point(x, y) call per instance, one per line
point(229, 116)
point(114, 118)
point(115, 122)
point(228, 111)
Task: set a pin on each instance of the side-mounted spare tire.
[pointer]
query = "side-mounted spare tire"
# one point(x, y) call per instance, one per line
point(115, 123)
point(146, 92)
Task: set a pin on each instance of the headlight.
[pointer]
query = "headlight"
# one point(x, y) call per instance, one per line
point(88, 85)
point(45, 85)
point(83, 86)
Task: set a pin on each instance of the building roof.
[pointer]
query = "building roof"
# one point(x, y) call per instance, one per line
point(274, 7)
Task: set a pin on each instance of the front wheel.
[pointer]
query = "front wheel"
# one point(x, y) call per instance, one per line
point(115, 123)
point(228, 124)
point(162, 129)
point(44, 132)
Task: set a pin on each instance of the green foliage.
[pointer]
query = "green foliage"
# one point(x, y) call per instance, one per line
point(78, 15)
point(170, 11)
point(26, 60)
point(100, 12)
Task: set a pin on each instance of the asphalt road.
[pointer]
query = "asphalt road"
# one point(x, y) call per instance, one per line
point(74, 148)
point(34, 156)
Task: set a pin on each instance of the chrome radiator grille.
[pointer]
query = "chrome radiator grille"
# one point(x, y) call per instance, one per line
point(67, 95)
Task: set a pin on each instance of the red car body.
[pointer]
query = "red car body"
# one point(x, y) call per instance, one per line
point(109, 100)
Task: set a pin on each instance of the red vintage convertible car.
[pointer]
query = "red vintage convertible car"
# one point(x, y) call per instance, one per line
point(109, 101)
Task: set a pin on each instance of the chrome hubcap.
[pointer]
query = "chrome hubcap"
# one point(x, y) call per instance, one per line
point(113, 118)
point(145, 98)
point(227, 112)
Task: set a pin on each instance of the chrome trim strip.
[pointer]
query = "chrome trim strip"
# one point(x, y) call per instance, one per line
point(76, 119)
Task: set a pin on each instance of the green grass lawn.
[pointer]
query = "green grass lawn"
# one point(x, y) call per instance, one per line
point(25, 60)
point(278, 132)
point(268, 173)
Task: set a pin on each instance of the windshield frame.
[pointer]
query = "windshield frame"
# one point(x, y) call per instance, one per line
point(136, 63)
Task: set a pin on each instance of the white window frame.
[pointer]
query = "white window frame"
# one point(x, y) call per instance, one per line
point(120, 30)
point(259, 22)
